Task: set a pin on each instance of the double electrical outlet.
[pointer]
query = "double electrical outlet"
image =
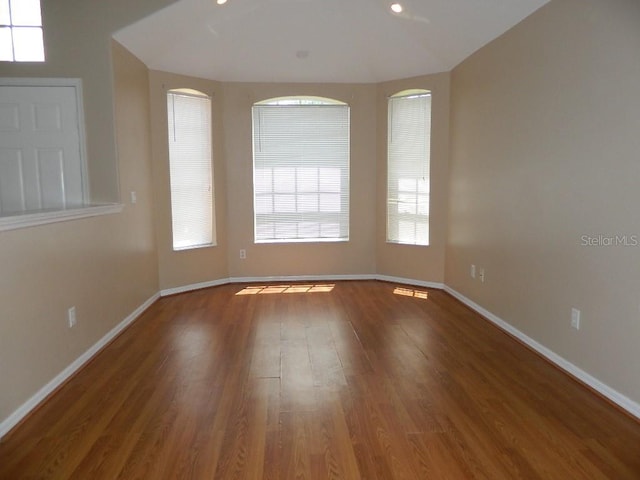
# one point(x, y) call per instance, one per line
point(477, 273)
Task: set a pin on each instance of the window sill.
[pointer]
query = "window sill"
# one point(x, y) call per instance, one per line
point(301, 240)
point(194, 247)
point(397, 242)
point(33, 219)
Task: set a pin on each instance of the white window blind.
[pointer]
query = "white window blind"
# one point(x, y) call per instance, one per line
point(21, 38)
point(301, 171)
point(191, 176)
point(408, 166)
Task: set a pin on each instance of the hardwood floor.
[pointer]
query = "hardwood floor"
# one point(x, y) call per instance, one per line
point(352, 380)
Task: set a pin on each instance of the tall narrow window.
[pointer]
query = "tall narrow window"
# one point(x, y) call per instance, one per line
point(192, 213)
point(408, 165)
point(301, 170)
point(21, 38)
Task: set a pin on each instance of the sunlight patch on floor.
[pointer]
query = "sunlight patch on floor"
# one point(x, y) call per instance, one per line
point(410, 292)
point(272, 289)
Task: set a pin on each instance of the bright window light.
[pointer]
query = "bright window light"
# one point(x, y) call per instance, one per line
point(301, 170)
point(21, 38)
point(408, 167)
point(191, 171)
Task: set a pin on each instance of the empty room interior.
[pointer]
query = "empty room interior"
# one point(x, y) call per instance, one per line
point(345, 317)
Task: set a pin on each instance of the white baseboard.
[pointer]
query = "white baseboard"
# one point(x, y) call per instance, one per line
point(193, 286)
point(616, 397)
point(22, 411)
point(408, 281)
point(302, 278)
point(271, 279)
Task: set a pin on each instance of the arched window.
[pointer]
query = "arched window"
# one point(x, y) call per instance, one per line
point(408, 167)
point(301, 170)
point(190, 169)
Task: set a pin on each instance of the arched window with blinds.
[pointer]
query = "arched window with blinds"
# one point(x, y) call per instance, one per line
point(408, 167)
point(190, 169)
point(301, 170)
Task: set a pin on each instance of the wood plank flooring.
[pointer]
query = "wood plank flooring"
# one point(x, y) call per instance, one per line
point(346, 380)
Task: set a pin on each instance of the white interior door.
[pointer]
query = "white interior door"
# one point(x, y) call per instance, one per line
point(41, 162)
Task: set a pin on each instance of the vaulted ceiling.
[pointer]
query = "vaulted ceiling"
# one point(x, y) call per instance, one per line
point(353, 41)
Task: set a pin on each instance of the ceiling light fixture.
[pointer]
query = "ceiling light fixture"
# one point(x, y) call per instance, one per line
point(396, 8)
point(221, 2)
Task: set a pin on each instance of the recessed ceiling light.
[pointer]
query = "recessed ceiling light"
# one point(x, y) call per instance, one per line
point(396, 8)
point(221, 2)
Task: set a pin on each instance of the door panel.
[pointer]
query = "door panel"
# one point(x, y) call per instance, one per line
point(12, 197)
point(41, 166)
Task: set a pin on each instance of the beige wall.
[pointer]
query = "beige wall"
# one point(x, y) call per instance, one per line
point(105, 266)
point(365, 253)
point(234, 188)
point(424, 263)
point(545, 149)
point(187, 267)
point(332, 258)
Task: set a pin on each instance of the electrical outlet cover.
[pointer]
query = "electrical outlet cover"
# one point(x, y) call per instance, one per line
point(575, 318)
point(71, 317)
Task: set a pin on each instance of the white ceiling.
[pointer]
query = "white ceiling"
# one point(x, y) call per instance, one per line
point(349, 41)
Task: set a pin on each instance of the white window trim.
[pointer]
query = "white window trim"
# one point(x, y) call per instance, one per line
point(308, 101)
point(189, 92)
point(407, 94)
